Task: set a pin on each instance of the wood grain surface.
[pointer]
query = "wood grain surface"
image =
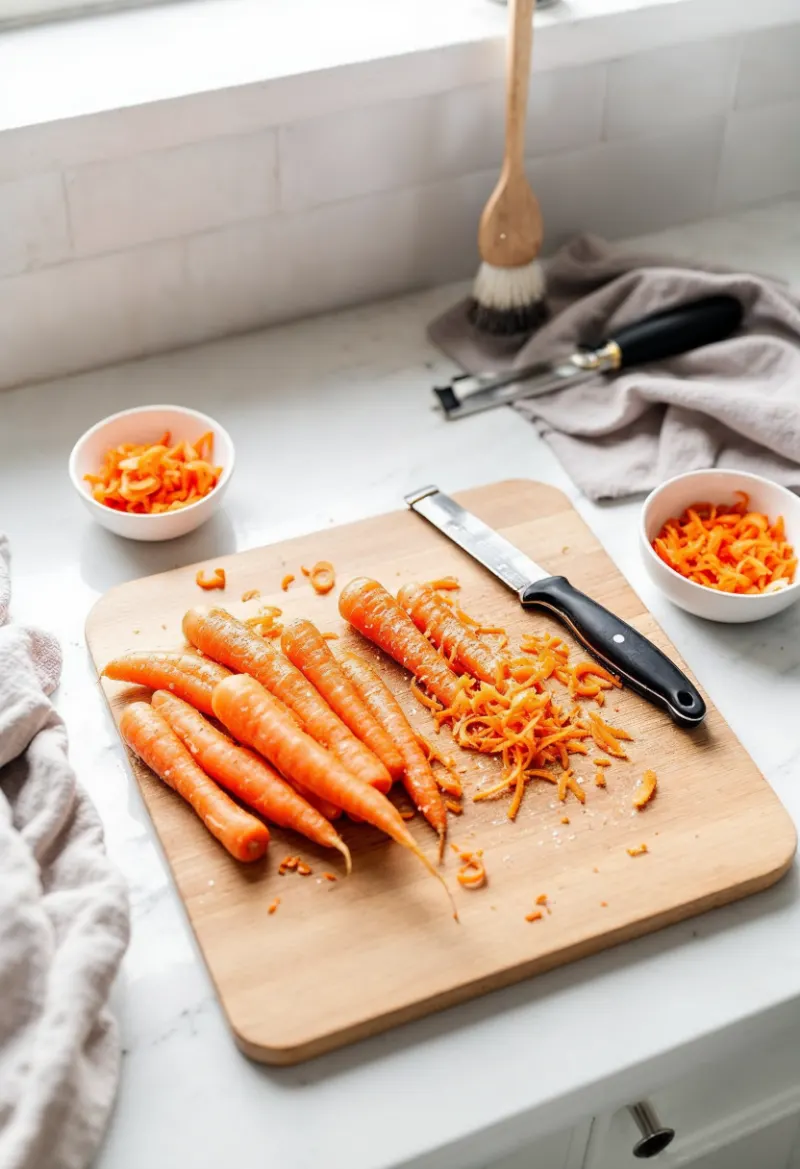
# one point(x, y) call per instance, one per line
point(342, 960)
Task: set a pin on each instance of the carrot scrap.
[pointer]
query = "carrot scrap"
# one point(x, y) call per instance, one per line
point(537, 915)
point(288, 864)
point(600, 778)
point(541, 899)
point(453, 807)
point(604, 905)
point(728, 548)
point(330, 876)
point(407, 813)
point(250, 595)
point(640, 850)
point(287, 580)
point(448, 583)
point(215, 581)
point(322, 577)
point(265, 623)
point(151, 478)
point(565, 819)
point(602, 762)
point(645, 790)
point(331, 636)
point(305, 571)
point(472, 874)
point(304, 870)
point(273, 905)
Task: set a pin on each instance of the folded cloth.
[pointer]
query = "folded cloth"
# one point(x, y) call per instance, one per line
point(732, 404)
point(63, 923)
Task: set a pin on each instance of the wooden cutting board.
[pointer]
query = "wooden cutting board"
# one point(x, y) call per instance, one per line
point(342, 960)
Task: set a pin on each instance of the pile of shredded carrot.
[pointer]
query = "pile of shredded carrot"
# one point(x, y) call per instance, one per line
point(728, 548)
point(523, 721)
point(149, 479)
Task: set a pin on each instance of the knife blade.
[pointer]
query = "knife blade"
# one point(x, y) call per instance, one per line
point(618, 646)
point(653, 338)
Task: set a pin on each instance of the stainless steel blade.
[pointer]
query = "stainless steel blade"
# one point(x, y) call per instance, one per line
point(476, 538)
point(485, 391)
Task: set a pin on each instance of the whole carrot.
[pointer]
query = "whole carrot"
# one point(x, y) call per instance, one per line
point(245, 774)
point(376, 614)
point(151, 738)
point(227, 640)
point(434, 618)
point(418, 778)
point(187, 675)
point(307, 649)
point(257, 718)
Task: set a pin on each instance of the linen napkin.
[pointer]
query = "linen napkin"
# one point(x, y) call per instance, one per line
point(733, 404)
point(63, 923)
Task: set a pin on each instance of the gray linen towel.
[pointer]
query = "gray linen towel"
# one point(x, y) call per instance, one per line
point(63, 923)
point(733, 404)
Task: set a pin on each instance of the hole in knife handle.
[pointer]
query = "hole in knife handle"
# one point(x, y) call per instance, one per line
point(685, 698)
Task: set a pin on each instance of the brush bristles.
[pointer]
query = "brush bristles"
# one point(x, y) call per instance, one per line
point(508, 300)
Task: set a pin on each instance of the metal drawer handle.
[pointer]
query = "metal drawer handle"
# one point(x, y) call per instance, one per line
point(655, 1135)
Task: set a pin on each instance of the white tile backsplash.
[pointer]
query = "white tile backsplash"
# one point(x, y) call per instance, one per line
point(171, 193)
point(184, 233)
point(33, 223)
point(770, 67)
point(669, 87)
point(760, 155)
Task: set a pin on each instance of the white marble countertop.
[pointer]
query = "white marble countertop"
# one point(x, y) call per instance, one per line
point(354, 392)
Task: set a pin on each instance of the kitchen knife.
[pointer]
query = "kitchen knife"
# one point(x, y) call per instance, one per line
point(654, 338)
point(617, 645)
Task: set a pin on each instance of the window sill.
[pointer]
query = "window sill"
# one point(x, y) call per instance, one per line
point(253, 60)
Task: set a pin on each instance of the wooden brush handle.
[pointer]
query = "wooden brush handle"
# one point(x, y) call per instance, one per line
point(520, 50)
point(510, 231)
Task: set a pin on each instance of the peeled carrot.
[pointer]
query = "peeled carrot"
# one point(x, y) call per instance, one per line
point(245, 774)
point(418, 778)
point(190, 677)
point(150, 737)
point(435, 618)
point(257, 718)
point(307, 649)
point(376, 614)
point(229, 641)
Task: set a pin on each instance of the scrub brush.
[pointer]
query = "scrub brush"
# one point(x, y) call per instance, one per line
point(508, 295)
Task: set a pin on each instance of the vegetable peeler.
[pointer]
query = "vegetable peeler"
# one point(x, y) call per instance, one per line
point(654, 338)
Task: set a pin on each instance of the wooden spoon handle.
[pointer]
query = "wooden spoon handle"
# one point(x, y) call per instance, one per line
point(520, 48)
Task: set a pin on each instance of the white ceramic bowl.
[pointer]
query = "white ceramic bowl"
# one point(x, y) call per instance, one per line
point(145, 424)
point(718, 486)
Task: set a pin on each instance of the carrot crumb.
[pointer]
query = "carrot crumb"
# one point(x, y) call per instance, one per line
point(447, 583)
point(595, 869)
point(408, 813)
point(640, 850)
point(536, 915)
point(453, 807)
point(331, 636)
point(604, 904)
point(303, 869)
point(330, 877)
point(287, 580)
point(645, 790)
point(565, 819)
point(251, 595)
point(305, 571)
point(215, 581)
point(541, 899)
point(472, 874)
point(602, 762)
point(600, 779)
point(274, 905)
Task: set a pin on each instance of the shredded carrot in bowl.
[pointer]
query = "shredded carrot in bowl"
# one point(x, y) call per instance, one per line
point(150, 478)
point(728, 548)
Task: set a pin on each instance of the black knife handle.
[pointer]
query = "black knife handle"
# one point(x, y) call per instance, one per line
point(678, 330)
point(620, 648)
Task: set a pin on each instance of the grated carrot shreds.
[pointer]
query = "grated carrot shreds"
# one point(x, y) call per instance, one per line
point(216, 580)
point(645, 790)
point(265, 623)
point(250, 595)
point(639, 850)
point(472, 874)
point(147, 479)
point(728, 548)
point(287, 580)
point(448, 583)
point(537, 915)
point(600, 778)
point(330, 636)
point(322, 577)
point(273, 905)
point(452, 806)
point(450, 782)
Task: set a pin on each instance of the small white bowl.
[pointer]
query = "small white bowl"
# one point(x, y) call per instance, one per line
point(144, 424)
point(717, 486)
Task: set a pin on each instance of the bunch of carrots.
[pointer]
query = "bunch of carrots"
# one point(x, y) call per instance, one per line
point(299, 735)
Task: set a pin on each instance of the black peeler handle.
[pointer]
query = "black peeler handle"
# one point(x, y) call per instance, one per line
point(678, 330)
point(620, 648)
